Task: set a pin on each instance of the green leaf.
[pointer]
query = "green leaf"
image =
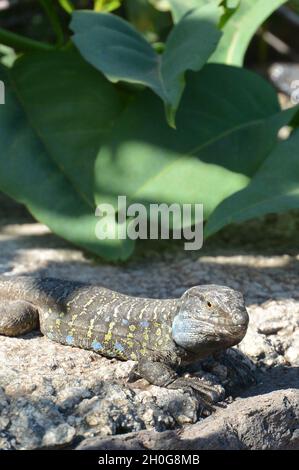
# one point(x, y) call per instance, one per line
point(115, 48)
point(274, 188)
point(240, 29)
point(227, 125)
point(34, 155)
point(179, 8)
point(71, 108)
point(230, 7)
point(232, 4)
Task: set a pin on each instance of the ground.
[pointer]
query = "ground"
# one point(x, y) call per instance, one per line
point(54, 396)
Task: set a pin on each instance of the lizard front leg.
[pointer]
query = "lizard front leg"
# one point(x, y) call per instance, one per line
point(163, 375)
point(242, 371)
point(17, 317)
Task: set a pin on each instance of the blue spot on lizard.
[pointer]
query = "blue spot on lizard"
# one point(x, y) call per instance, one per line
point(96, 346)
point(119, 347)
point(69, 339)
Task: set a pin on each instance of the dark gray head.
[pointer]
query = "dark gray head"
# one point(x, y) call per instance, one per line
point(210, 318)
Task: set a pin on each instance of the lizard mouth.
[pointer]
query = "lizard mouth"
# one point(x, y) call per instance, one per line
point(226, 326)
point(207, 335)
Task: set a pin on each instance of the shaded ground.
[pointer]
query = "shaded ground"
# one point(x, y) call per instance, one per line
point(56, 396)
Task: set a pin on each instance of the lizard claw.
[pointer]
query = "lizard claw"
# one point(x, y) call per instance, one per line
point(239, 366)
point(207, 395)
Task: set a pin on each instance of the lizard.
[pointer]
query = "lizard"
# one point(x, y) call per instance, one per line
point(161, 335)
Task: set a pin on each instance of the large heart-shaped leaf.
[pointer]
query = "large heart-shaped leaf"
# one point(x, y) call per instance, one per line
point(44, 145)
point(71, 108)
point(240, 29)
point(115, 48)
point(227, 125)
point(275, 188)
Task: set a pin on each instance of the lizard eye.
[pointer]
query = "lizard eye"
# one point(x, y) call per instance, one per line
point(209, 304)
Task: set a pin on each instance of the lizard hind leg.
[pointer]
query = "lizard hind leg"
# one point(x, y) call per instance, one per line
point(17, 317)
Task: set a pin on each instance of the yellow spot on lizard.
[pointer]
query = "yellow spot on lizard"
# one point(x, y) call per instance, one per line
point(108, 335)
point(89, 333)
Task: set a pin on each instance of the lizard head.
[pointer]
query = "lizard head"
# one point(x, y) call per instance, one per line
point(210, 318)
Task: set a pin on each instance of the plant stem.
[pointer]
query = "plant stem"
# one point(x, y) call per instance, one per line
point(22, 43)
point(67, 6)
point(51, 12)
point(98, 5)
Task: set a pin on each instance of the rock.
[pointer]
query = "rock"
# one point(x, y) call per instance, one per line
point(266, 422)
point(292, 353)
point(58, 436)
point(259, 348)
point(177, 406)
point(30, 421)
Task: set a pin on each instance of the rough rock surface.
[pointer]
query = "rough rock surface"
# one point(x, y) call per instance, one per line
point(54, 396)
point(271, 422)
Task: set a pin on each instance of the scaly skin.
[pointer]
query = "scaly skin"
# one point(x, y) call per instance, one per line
point(159, 334)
